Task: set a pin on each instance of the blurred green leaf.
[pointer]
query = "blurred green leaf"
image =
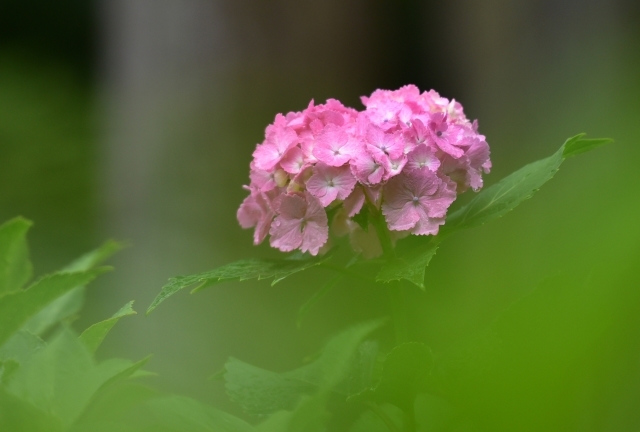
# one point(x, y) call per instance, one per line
point(16, 308)
point(17, 415)
point(182, 414)
point(118, 408)
point(371, 420)
point(21, 347)
point(309, 416)
point(366, 368)
point(70, 303)
point(93, 336)
point(95, 257)
point(240, 271)
point(404, 375)
point(63, 377)
point(7, 369)
point(15, 267)
point(532, 362)
point(309, 304)
point(259, 391)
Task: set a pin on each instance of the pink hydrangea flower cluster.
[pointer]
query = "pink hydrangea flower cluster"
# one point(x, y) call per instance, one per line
point(406, 156)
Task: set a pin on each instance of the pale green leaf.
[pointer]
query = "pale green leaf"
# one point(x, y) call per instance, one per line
point(15, 267)
point(21, 347)
point(17, 415)
point(259, 391)
point(309, 416)
point(385, 418)
point(93, 336)
point(404, 374)
point(69, 304)
point(62, 378)
point(239, 271)
point(182, 414)
point(95, 257)
point(16, 308)
point(309, 304)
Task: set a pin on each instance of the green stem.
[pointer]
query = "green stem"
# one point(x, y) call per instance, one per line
point(377, 218)
point(398, 313)
point(383, 416)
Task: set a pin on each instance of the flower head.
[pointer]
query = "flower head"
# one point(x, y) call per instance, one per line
point(407, 154)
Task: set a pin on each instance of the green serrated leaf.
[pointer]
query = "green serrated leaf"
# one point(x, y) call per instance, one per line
point(239, 271)
point(182, 414)
point(404, 374)
point(93, 336)
point(259, 391)
point(16, 308)
point(15, 267)
point(309, 304)
point(499, 199)
point(412, 258)
point(69, 304)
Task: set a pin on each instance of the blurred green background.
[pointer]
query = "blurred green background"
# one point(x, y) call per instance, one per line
point(136, 120)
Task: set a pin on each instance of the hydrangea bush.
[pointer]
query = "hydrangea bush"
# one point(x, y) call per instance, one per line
point(407, 155)
point(386, 177)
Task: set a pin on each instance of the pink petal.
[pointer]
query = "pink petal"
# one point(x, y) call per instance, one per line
point(423, 157)
point(286, 234)
point(293, 160)
point(292, 207)
point(328, 183)
point(366, 169)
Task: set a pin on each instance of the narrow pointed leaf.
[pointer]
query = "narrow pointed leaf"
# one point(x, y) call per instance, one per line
point(93, 336)
point(15, 267)
point(95, 257)
point(499, 199)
